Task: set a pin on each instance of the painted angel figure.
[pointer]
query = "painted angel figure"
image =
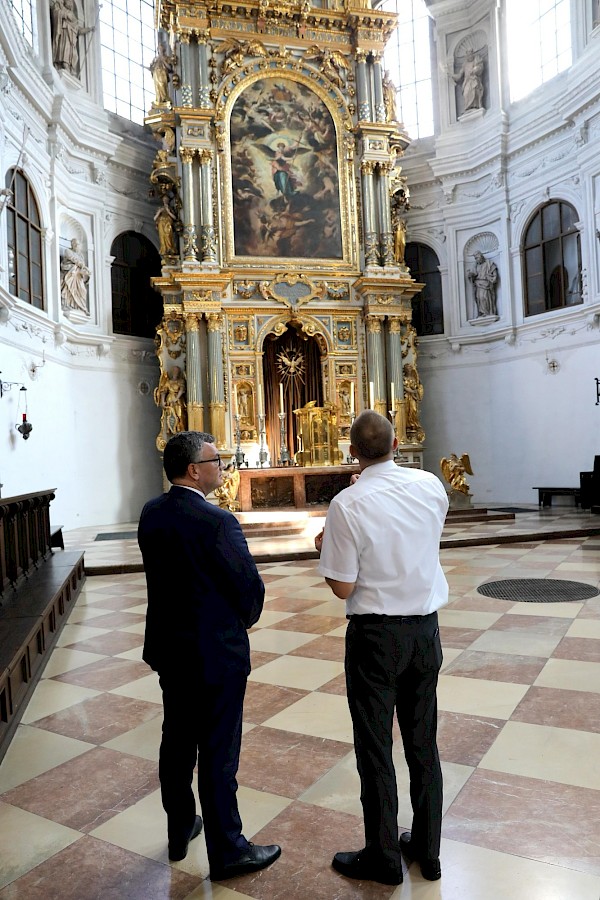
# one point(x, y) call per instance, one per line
point(286, 177)
point(453, 470)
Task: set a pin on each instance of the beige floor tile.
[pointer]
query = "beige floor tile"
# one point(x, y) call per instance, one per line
point(298, 672)
point(44, 839)
point(142, 741)
point(84, 615)
point(64, 659)
point(474, 872)
point(258, 808)
point(273, 641)
point(541, 751)
point(270, 617)
point(584, 628)
point(578, 566)
point(519, 644)
point(322, 715)
point(337, 632)
point(450, 654)
point(461, 618)
point(493, 699)
point(52, 696)
point(135, 654)
point(71, 634)
point(339, 788)
point(555, 610)
point(141, 609)
point(34, 751)
point(331, 607)
point(570, 674)
point(138, 628)
point(146, 688)
point(206, 890)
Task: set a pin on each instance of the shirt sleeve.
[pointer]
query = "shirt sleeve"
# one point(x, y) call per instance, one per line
point(339, 553)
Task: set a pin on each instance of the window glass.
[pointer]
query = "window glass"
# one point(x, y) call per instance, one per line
point(552, 259)
point(24, 239)
point(128, 45)
point(408, 58)
point(23, 12)
point(538, 42)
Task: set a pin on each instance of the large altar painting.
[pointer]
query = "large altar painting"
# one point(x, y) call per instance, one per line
point(284, 169)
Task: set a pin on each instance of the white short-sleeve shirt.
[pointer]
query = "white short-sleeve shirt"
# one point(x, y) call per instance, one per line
point(384, 534)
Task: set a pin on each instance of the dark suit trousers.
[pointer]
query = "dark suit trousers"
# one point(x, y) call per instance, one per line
point(203, 724)
point(393, 663)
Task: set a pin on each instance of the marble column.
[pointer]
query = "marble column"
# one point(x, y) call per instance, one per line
point(204, 77)
point(365, 113)
point(209, 241)
point(376, 362)
point(216, 387)
point(195, 402)
point(367, 168)
point(386, 235)
point(395, 375)
point(190, 243)
point(185, 90)
point(380, 115)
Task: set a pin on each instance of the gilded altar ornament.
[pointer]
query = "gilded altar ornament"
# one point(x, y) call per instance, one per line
point(399, 240)
point(453, 470)
point(170, 396)
point(227, 492)
point(413, 394)
point(165, 220)
point(331, 62)
point(389, 98)
point(161, 67)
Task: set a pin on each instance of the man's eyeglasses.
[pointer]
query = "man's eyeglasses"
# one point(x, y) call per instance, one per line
point(215, 459)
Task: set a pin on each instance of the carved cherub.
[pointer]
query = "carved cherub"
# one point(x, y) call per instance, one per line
point(332, 62)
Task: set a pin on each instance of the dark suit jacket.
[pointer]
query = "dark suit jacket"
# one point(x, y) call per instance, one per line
point(204, 590)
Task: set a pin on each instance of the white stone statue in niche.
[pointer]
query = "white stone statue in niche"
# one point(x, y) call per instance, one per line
point(75, 277)
point(484, 278)
point(471, 76)
point(65, 35)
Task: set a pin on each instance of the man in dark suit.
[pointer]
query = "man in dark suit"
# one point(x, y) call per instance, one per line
point(204, 592)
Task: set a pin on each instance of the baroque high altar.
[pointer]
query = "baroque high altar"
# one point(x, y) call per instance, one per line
point(280, 205)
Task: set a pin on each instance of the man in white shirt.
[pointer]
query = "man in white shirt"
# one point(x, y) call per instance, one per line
point(380, 553)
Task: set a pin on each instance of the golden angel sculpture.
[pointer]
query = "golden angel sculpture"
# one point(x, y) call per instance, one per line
point(227, 492)
point(453, 470)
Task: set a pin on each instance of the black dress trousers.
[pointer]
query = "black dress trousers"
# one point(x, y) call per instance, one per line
point(392, 663)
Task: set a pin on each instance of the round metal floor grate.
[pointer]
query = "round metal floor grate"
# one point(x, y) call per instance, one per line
point(537, 590)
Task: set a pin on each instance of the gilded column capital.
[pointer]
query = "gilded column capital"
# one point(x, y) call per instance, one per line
point(373, 324)
point(205, 156)
point(192, 322)
point(395, 325)
point(214, 322)
point(361, 56)
point(184, 37)
point(186, 154)
point(376, 56)
point(202, 35)
point(386, 168)
point(367, 166)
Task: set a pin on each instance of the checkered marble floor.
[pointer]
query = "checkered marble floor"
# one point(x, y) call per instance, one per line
point(124, 552)
point(519, 737)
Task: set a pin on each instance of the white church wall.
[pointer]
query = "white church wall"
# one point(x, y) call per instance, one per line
point(489, 390)
point(90, 399)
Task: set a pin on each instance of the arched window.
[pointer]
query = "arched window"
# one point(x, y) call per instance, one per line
point(552, 259)
point(428, 309)
point(136, 306)
point(25, 272)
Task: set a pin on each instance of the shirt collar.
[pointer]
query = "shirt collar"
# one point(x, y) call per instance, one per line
point(188, 488)
point(376, 468)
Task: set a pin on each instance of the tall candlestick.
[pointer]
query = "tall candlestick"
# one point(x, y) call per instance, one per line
point(371, 395)
point(281, 409)
point(393, 387)
point(351, 398)
point(261, 401)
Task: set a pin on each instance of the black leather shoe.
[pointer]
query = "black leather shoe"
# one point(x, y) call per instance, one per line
point(430, 868)
point(177, 851)
point(358, 865)
point(254, 859)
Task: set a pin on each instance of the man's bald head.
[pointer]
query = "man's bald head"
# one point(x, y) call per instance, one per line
point(371, 436)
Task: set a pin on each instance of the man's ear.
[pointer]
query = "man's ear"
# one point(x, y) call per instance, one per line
point(352, 450)
point(395, 444)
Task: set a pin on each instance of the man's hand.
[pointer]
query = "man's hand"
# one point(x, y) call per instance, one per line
point(355, 478)
point(319, 540)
